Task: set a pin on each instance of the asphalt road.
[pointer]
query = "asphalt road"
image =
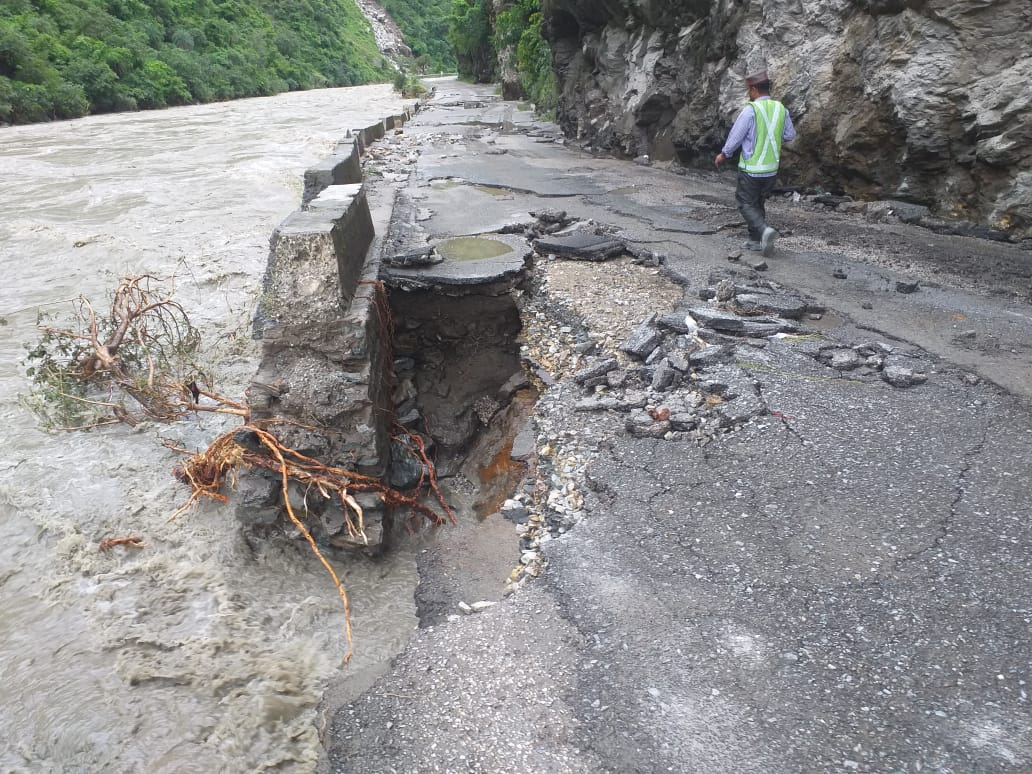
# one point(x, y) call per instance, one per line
point(842, 584)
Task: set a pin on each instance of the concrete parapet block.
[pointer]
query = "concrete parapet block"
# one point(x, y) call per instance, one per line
point(396, 122)
point(316, 258)
point(372, 133)
point(343, 167)
point(356, 233)
point(305, 385)
point(302, 284)
point(345, 145)
point(338, 198)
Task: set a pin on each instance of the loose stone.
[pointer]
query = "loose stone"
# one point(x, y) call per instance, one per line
point(898, 376)
point(598, 369)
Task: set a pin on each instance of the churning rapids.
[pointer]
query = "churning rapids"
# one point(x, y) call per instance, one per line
point(202, 652)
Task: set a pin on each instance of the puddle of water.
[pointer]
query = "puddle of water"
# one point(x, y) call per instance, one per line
point(472, 248)
point(448, 184)
point(493, 190)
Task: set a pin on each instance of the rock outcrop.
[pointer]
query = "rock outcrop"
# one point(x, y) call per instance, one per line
point(926, 101)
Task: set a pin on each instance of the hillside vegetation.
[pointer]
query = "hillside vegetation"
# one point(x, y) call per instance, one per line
point(67, 58)
point(424, 24)
point(489, 44)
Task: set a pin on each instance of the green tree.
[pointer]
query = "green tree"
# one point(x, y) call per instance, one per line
point(192, 71)
point(470, 34)
point(69, 100)
point(534, 59)
point(15, 50)
point(155, 84)
point(517, 31)
point(30, 102)
point(99, 84)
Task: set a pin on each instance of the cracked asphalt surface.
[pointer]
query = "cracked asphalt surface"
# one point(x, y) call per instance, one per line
point(841, 584)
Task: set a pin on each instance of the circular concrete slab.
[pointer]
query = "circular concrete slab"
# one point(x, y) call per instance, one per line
point(505, 256)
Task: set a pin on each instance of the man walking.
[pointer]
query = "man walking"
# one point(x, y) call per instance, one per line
point(759, 130)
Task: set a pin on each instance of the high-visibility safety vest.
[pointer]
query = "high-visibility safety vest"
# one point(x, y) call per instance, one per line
point(770, 126)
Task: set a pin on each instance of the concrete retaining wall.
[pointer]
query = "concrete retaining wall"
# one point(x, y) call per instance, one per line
point(323, 325)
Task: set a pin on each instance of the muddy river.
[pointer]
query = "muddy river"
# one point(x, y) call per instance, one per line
point(203, 651)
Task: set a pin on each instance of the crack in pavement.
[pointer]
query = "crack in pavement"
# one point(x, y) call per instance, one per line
point(777, 414)
point(960, 490)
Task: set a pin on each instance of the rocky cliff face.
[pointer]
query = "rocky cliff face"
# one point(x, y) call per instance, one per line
point(929, 101)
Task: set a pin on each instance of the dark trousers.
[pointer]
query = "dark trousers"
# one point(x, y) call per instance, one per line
point(750, 195)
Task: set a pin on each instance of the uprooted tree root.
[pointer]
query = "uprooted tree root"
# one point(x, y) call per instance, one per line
point(253, 446)
point(131, 364)
point(135, 363)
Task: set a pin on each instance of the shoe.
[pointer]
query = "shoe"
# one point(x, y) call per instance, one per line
point(753, 245)
point(767, 242)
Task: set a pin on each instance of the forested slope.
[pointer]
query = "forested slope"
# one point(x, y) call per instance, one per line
point(67, 58)
point(425, 26)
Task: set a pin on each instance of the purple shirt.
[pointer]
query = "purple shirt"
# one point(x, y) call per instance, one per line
point(743, 134)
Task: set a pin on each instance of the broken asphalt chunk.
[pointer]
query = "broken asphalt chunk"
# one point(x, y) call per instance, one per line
point(898, 376)
point(599, 369)
point(780, 304)
point(728, 322)
point(582, 245)
point(710, 356)
point(644, 340)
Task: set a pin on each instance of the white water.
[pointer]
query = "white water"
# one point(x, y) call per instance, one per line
point(197, 653)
